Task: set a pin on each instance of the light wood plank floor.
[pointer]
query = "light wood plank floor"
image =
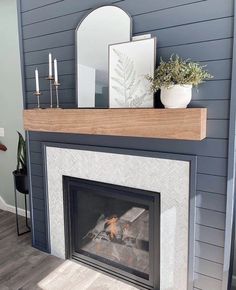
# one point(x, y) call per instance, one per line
point(24, 268)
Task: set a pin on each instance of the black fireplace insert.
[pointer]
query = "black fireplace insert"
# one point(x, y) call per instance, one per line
point(114, 229)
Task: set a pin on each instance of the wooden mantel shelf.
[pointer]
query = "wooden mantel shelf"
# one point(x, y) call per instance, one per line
point(185, 124)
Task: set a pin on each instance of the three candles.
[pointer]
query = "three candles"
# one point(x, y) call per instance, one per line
point(49, 72)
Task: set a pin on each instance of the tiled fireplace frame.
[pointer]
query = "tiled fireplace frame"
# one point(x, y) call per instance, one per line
point(192, 186)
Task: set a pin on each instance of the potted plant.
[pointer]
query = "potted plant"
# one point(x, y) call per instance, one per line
point(20, 174)
point(175, 78)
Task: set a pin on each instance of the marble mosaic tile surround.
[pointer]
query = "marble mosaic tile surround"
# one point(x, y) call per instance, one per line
point(169, 177)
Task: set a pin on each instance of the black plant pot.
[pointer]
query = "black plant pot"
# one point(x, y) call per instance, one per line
point(21, 181)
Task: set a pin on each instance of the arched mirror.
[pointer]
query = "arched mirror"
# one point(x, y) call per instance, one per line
point(102, 27)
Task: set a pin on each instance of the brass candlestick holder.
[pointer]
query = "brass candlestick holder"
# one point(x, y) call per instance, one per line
point(50, 79)
point(38, 94)
point(56, 85)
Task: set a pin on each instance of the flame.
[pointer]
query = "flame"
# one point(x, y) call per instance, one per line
point(112, 223)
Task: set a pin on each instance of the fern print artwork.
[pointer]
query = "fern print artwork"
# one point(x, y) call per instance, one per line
point(129, 64)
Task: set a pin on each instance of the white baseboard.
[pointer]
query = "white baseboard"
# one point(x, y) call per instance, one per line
point(7, 207)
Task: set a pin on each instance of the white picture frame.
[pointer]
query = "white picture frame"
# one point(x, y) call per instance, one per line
point(129, 64)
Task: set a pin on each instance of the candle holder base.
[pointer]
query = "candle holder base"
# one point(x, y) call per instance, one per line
point(38, 94)
point(56, 85)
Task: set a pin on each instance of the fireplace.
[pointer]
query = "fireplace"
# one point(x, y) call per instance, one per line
point(114, 229)
point(158, 177)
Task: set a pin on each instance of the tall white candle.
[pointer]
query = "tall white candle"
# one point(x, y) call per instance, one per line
point(37, 80)
point(50, 65)
point(55, 71)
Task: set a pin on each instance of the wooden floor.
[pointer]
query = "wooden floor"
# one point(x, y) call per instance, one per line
point(23, 267)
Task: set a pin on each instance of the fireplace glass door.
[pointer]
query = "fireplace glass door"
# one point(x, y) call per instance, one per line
point(114, 228)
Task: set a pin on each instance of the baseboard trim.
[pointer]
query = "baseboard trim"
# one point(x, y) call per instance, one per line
point(7, 207)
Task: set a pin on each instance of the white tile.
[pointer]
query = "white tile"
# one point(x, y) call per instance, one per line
point(170, 178)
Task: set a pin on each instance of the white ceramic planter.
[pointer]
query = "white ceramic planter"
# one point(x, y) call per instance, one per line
point(177, 96)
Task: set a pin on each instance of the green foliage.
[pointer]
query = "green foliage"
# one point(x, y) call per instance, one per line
point(21, 154)
point(177, 71)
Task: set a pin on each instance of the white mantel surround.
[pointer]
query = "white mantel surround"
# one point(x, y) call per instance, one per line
point(167, 176)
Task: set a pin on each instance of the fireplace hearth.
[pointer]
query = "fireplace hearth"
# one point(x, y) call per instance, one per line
point(114, 229)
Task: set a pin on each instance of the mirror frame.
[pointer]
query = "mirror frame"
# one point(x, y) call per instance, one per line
point(76, 56)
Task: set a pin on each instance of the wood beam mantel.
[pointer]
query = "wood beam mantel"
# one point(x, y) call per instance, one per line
point(185, 124)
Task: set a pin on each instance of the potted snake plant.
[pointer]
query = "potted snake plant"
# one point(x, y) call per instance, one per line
point(176, 78)
point(20, 174)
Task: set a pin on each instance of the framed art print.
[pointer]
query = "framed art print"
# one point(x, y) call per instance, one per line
point(129, 64)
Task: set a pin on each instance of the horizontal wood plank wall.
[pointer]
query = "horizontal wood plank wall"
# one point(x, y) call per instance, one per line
point(198, 29)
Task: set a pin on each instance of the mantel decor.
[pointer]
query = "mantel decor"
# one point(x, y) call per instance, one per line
point(175, 78)
point(129, 63)
point(50, 78)
point(183, 124)
point(37, 92)
point(101, 27)
point(53, 81)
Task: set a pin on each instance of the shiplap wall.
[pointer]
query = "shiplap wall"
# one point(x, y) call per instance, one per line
point(198, 29)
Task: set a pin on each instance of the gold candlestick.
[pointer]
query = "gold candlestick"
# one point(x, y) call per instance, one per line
point(38, 94)
point(57, 84)
point(50, 79)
